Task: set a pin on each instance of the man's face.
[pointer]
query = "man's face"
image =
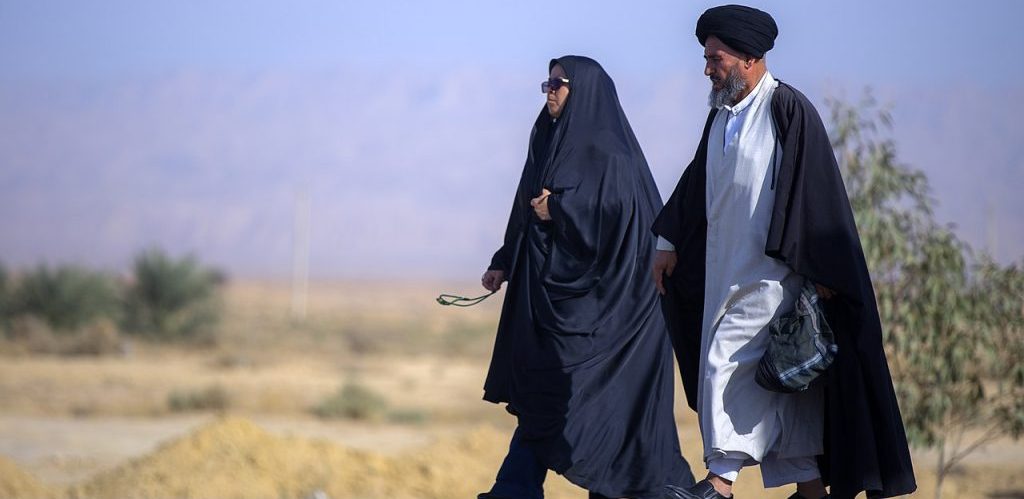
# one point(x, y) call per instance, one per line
point(720, 60)
point(556, 98)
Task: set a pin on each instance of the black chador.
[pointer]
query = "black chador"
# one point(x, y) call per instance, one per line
point(582, 356)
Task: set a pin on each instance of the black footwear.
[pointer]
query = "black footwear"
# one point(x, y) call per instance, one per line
point(796, 495)
point(488, 495)
point(702, 490)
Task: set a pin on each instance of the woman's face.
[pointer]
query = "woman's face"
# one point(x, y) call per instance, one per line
point(557, 98)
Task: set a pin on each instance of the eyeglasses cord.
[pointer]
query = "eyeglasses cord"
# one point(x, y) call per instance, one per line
point(462, 301)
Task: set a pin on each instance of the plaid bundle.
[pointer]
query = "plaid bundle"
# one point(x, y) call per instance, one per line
point(801, 346)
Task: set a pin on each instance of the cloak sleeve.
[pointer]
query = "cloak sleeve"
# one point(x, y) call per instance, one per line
point(504, 258)
point(683, 222)
point(686, 204)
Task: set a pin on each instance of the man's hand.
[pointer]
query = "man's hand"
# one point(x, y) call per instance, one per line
point(664, 264)
point(824, 292)
point(540, 205)
point(492, 279)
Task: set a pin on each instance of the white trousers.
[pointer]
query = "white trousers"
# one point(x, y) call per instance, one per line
point(775, 471)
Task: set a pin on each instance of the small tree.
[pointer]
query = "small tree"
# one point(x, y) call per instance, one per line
point(4, 299)
point(352, 401)
point(67, 297)
point(954, 330)
point(171, 298)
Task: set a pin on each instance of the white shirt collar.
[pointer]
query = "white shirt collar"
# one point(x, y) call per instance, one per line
point(745, 103)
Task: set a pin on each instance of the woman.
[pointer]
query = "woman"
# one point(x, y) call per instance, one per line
point(582, 356)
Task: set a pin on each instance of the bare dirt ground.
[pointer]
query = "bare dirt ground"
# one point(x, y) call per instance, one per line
point(105, 427)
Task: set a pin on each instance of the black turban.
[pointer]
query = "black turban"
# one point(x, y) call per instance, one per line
point(745, 29)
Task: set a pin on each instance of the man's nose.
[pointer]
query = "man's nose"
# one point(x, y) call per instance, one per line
point(707, 70)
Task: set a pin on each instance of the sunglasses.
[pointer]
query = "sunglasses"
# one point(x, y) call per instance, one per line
point(552, 84)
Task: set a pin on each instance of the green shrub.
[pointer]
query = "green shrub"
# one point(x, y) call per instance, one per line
point(67, 297)
point(213, 398)
point(353, 401)
point(5, 313)
point(408, 416)
point(171, 298)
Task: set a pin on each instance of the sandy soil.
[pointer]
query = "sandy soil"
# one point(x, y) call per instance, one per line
point(102, 456)
point(102, 425)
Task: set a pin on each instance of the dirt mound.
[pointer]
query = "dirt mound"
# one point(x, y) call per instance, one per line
point(233, 458)
point(459, 467)
point(16, 483)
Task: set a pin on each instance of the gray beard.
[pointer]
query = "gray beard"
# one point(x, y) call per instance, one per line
point(730, 91)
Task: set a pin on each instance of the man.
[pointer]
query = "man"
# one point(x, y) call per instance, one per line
point(581, 355)
point(759, 210)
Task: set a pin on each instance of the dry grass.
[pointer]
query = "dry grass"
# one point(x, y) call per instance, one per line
point(358, 318)
point(423, 359)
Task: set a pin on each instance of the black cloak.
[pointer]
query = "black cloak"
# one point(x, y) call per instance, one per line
point(582, 355)
point(813, 232)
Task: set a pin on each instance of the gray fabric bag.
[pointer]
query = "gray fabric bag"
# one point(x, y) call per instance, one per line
point(801, 346)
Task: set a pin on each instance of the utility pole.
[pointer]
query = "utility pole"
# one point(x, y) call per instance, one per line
point(300, 256)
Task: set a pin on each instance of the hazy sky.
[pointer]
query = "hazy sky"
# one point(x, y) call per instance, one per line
point(195, 125)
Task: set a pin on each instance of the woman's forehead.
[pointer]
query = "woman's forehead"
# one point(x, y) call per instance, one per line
point(557, 70)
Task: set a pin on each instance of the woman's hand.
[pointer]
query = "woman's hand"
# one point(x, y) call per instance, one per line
point(492, 279)
point(540, 205)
